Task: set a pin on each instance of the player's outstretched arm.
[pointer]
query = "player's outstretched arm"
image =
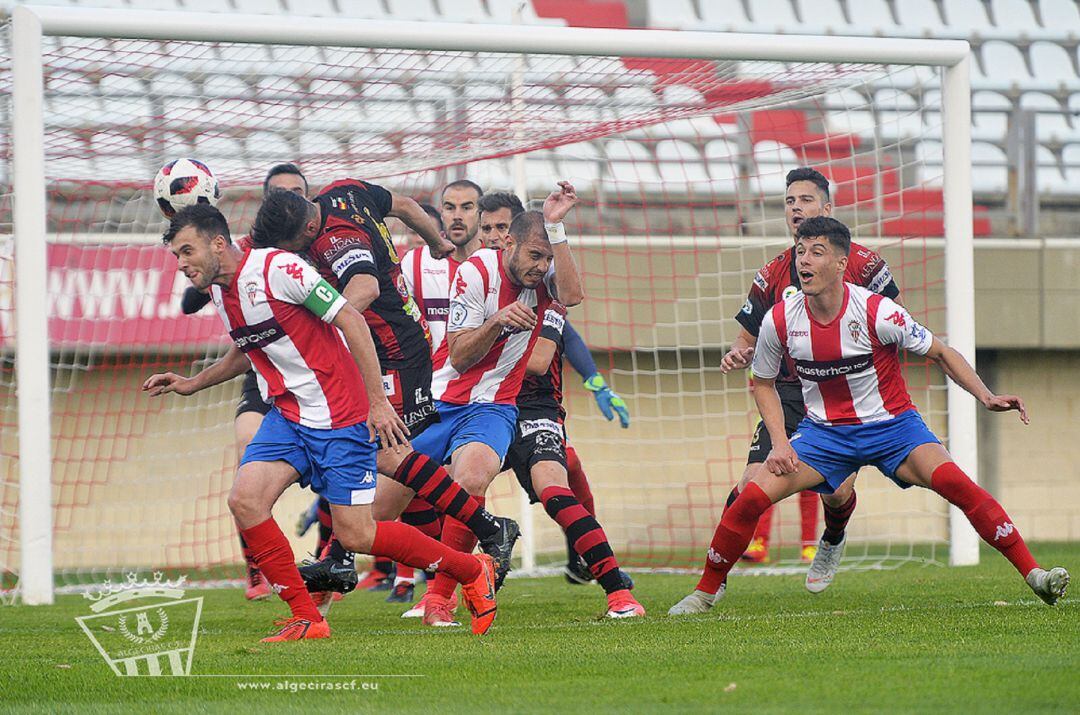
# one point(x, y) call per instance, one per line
point(963, 374)
point(782, 459)
point(193, 300)
point(741, 353)
point(382, 421)
point(410, 213)
point(233, 364)
point(567, 276)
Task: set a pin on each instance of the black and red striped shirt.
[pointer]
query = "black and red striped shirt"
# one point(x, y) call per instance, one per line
point(354, 241)
point(545, 391)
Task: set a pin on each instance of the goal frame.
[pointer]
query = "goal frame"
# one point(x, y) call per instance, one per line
point(31, 23)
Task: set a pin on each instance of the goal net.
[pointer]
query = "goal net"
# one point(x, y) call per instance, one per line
point(680, 165)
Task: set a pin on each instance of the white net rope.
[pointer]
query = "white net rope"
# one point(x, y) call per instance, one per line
point(681, 167)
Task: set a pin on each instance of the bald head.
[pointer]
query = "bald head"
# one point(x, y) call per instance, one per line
point(527, 227)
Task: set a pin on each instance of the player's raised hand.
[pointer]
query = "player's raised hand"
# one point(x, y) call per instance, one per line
point(163, 383)
point(517, 315)
point(444, 249)
point(1004, 403)
point(736, 359)
point(782, 459)
point(559, 202)
point(383, 422)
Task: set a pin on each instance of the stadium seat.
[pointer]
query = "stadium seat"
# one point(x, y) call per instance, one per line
point(268, 148)
point(827, 15)
point(167, 84)
point(631, 163)
point(581, 163)
point(1059, 14)
point(503, 11)
point(1002, 63)
point(370, 147)
point(221, 152)
point(328, 114)
point(119, 157)
point(363, 9)
point(1050, 62)
point(238, 112)
point(489, 173)
point(1015, 15)
point(722, 159)
point(71, 111)
point(259, 7)
point(1048, 176)
point(225, 85)
point(919, 17)
point(773, 16)
point(989, 171)
point(674, 14)
point(319, 144)
point(124, 100)
point(681, 95)
point(312, 8)
point(928, 163)
point(898, 113)
point(463, 11)
point(727, 15)
point(207, 6)
point(990, 116)
point(681, 165)
point(410, 10)
point(871, 15)
point(773, 161)
point(541, 173)
point(170, 145)
point(1051, 124)
point(967, 16)
point(1070, 157)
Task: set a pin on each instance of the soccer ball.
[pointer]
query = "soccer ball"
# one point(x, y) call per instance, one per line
point(184, 182)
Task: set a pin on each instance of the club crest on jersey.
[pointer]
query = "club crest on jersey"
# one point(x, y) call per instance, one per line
point(854, 328)
point(251, 288)
point(790, 291)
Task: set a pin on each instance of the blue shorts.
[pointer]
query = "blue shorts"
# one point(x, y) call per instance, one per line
point(338, 464)
point(839, 451)
point(483, 422)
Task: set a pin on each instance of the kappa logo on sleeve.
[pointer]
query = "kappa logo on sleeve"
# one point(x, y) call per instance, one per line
point(897, 318)
point(294, 271)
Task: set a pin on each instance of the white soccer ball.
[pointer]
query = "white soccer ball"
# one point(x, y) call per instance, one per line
point(184, 182)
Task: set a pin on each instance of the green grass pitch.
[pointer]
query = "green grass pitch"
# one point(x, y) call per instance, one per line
point(919, 638)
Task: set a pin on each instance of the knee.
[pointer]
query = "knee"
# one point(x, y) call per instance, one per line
point(246, 507)
point(358, 537)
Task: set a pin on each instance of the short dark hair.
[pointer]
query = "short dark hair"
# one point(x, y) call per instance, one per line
point(433, 213)
point(463, 184)
point(285, 168)
point(501, 200)
point(834, 231)
point(805, 173)
point(281, 218)
point(528, 226)
point(206, 219)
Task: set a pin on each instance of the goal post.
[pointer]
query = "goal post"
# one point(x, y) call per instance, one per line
point(28, 151)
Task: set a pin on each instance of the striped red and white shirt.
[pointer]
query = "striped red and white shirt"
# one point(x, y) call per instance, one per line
point(428, 281)
point(278, 311)
point(849, 368)
point(479, 290)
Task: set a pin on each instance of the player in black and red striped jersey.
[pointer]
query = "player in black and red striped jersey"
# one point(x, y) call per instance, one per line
point(342, 231)
point(807, 196)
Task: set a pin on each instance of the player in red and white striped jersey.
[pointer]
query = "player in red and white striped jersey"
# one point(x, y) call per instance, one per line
point(843, 341)
point(316, 361)
point(345, 237)
point(495, 300)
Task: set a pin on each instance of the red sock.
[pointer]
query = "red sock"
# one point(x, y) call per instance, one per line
point(274, 557)
point(732, 536)
point(985, 514)
point(808, 513)
point(404, 544)
point(588, 537)
point(764, 527)
point(247, 553)
point(457, 536)
point(579, 485)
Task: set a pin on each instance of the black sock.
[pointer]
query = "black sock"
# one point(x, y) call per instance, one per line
point(340, 553)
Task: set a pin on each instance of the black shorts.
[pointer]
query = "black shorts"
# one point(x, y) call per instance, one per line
point(409, 391)
point(538, 437)
point(250, 398)
point(791, 400)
